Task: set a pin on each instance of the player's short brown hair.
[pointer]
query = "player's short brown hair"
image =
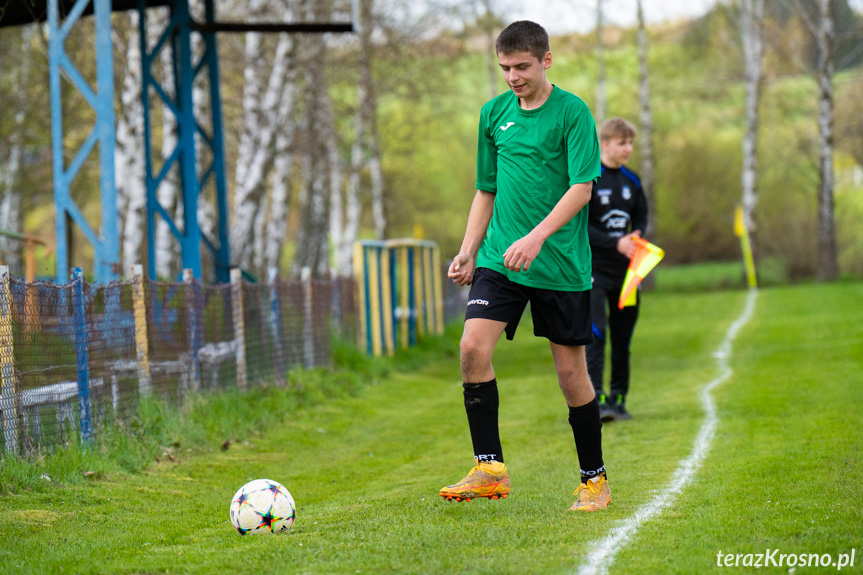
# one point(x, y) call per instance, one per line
point(616, 128)
point(523, 36)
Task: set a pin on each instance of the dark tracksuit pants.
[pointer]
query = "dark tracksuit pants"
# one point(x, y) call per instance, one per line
point(615, 324)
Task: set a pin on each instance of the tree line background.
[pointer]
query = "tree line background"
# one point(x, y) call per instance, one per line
point(330, 138)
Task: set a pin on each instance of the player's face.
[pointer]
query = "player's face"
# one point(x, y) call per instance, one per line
point(616, 151)
point(524, 73)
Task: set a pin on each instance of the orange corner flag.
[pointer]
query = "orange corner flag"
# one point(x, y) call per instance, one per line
point(644, 259)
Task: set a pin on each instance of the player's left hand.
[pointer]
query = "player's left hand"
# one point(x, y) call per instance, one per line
point(521, 253)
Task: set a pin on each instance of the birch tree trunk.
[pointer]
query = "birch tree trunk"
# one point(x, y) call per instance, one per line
point(167, 246)
point(280, 196)
point(647, 171)
point(335, 178)
point(255, 153)
point(490, 51)
point(752, 16)
point(828, 265)
point(129, 154)
point(599, 112)
point(312, 246)
point(352, 202)
point(368, 105)
point(10, 174)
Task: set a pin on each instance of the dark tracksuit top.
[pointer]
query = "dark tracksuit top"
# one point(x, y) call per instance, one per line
point(617, 207)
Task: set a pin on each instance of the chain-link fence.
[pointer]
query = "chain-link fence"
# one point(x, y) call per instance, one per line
point(76, 358)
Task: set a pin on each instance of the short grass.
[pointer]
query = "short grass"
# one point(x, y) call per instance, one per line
point(717, 276)
point(784, 470)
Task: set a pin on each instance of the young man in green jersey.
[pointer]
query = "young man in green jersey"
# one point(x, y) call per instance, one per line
point(526, 241)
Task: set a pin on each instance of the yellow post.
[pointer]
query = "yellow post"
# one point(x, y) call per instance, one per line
point(8, 381)
point(374, 298)
point(387, 300)
point(438, 290)
point(419, 296)
point(743, 233)
point(362, 300)
point(428, 301)
point(141, 344)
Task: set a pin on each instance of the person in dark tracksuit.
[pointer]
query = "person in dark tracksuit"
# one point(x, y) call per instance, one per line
point(617, 213)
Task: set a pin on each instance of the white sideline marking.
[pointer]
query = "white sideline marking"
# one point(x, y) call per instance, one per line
point(602, 555)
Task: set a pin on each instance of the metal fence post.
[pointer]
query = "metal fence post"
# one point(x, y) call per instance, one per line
point(361, 275)
point(276, 325)
point(82, 354)
point(405, 310)
point(192, 329)
point(141, 344)
point(308, 330)
point(239, 325)
point(438, 290)
point(8, 385)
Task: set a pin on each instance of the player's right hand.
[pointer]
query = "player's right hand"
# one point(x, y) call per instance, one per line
point(626, 245)
point(461, 270)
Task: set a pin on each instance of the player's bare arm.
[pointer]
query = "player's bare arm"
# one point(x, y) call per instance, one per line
point(522, 252)
point(462, 267)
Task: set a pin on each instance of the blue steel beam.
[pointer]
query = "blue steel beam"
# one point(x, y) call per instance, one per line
point(223, 252)
point(190, 243)
point(185, 156)
point(106, 245)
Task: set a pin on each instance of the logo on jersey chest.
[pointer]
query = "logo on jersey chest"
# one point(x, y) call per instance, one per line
point(616, 220)
point(604, 196)
point(627, 193)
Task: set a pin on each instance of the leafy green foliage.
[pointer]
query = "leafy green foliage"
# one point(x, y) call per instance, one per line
point(431, 84)
point(697, 101)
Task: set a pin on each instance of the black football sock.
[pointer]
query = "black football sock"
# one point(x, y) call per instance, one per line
point(481, 404)
point(587, 431)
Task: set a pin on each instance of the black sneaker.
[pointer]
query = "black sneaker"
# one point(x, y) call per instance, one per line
point(606, 411)
point(619, 409)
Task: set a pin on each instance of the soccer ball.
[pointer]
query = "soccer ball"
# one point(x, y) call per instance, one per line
point(262, 506)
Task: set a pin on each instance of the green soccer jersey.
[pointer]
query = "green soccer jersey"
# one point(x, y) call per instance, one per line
point(529, 159)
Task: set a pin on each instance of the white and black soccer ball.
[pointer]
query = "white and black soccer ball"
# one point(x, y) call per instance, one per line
point(262, 506)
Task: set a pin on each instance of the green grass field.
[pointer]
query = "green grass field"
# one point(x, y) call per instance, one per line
point(785, 469)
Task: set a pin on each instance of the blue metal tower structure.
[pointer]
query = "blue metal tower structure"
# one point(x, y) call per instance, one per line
point(106, 246)
point(178, 34)
point(62, 15)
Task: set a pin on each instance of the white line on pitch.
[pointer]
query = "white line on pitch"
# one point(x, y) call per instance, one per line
point(602, 555)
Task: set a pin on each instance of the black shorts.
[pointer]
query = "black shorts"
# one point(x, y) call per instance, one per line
point(561, 316)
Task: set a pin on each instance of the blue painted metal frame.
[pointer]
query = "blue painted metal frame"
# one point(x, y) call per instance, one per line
point(106, 244)
point(394, 295)
point(178, 32)
point(82, 354)
point(412, 297)
point(222, 253)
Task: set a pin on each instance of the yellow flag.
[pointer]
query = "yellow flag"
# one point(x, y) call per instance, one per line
point(644, 259)
point(745, 246)
point(739, 228)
